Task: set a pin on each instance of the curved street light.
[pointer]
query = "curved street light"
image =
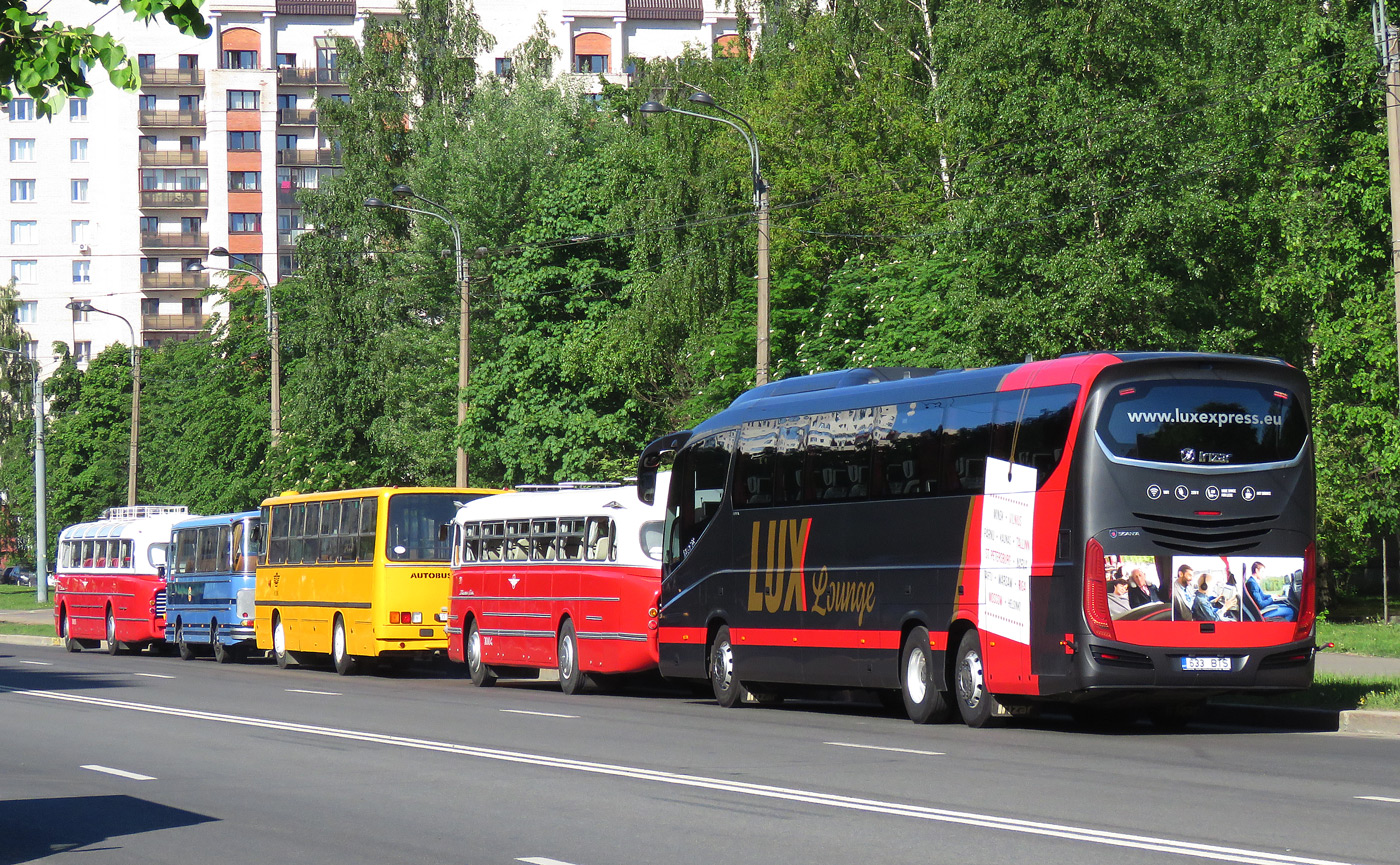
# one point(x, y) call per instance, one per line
point(403, 190)
point(274, 343)
point(760, 203)
point(85, 306)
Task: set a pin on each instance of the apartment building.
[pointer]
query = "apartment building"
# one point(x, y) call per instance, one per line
point(120, 198)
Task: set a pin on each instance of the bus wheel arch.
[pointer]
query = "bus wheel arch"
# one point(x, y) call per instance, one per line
point(481, 674)
point(345, 663)
point(279, 641)
point(570, 665)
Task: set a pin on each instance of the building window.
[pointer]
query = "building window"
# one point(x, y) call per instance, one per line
point(503, 67)
point(244, 223)
point(191, 306)
point(145, 61)
point(240, 60)
point(22, 108)
point(287, 142)
point(189, 61)
point(150, 306)
point(79, 314)
point(192, 178)
point(325, 55)
point(243, 141)
point(21, 190)
point(591, 63)
point(191, 224)
point(21, 150)
point(146, 102)
point(146, 143)
point(82, 351)
point(286, 265)
point(286, 60)
point(189, 103)
point(150, 265)
point(77, 149)
point(244, 181)
point(245, 261)
point(189, 143)
point(77, 110)
point(79, 231)
point(27, 312)
point(243, 100)
point(24, 231)
point(24, 271)
point(79, 189)
point(286, 100)
point(82, 271)
point(342, 98)
point(30, 349)
point(150, 224)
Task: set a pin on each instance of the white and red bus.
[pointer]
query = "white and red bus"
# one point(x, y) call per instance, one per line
point(564, 578)
point(1103, 530)
point(110, 578)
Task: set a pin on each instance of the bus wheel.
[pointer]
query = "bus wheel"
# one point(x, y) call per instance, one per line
point(279, 644)
point(69, 642)
point(570, 677)
point(224, 654)
point(185, 649)
point(729, 691)
point(113, 647)
point(482, 676)
point(922, 702)
point(344, 661)
point(976, 706)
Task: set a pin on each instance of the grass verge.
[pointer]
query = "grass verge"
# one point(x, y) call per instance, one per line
point(1339, 693)
point(1361, 639)
point(20, 598)
point(26, 630)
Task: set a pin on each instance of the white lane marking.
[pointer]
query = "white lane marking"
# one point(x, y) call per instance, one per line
point(38, 663)
point(541, 860)
point(791, 794)
point(1379, 799)
point(883, 748)
point(153, 675)
point(540, 714)
point(322, 693)
point(120, 773)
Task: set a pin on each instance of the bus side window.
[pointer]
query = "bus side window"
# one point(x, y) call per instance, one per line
point(1045, 420)
point(698, 480)
point(469, 542)
point(330, 526)
point(791, 461)
point(127, 554)
point(296, 534)
point(369, 514)
point(311, 534)
point(967, 441)
point(518, 541)
point(757, 464)
point(277, 543)
point(237, 540)
point(492, 541)
point(349, 535)
point(601, 537)
point(544, 540)
point(571, 537)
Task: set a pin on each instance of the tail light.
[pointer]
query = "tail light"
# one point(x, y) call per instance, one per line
point(1096, 611)
point(1307, 597)
point(393, 617)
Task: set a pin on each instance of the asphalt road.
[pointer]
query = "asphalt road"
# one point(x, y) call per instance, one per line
point(154, 760)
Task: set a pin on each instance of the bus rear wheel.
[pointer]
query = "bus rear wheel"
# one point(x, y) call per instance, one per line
point(975, 705)
point(279, 644)
point(344, 662)
point(185, 649)
point(729, 691)
point(570, 676)
point(69, 641)
point(923, 703)
point(114, 647)
point(225, 654)
point(482, 676)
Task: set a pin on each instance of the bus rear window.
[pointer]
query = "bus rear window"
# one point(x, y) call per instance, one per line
point(1202, 423)
point(414, 520)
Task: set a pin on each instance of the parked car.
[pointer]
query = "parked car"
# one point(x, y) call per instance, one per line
point(17, 575)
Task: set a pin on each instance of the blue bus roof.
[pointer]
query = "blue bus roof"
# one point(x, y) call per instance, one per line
point(216, 520)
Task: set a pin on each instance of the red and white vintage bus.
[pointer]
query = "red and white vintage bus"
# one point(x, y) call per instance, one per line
point(556, 577)
point(110, 578)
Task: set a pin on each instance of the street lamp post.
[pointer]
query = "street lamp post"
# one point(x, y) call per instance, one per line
point(760, 204)
point(403, 190)
point(41, 557)
point(85, 306)
point(274, 342)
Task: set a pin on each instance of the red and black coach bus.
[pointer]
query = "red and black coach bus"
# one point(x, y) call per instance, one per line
point(1098, 529)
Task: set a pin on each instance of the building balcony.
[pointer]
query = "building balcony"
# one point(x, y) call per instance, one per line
point(324, 156)
point(307, 76)
point(296, 116)
point(175, 240)
point(182, 279)
point(191, 321)
point(170, 119)
point(288, 197)
point(172, 77)
point(287, 238)
point(177, 198)
point(150, 158)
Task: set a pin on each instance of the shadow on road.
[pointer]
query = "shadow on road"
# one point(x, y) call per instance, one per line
point(35, 828)
point(39, 679)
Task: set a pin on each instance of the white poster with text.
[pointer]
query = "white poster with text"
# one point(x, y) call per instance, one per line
point(1008, 514)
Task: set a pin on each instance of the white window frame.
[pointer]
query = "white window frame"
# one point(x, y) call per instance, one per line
point(80, 231)
point(21, 109)
point(27, 312)
point(82, 272)
point(78, 187)
point(23, 190)
point(25, 271)
point(77, 110)
point(77, 150)
point(21, 149)
point(24, 232)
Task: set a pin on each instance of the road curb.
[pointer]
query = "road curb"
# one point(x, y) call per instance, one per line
point(1370, 722)
point(29, 640)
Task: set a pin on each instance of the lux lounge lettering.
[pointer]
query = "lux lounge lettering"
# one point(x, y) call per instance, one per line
point(781, 570)
point(842, 596)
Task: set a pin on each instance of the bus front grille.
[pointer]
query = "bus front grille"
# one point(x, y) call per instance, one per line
point(160, 604)
point(1204, 534)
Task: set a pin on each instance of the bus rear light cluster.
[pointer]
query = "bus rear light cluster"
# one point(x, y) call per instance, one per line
point(1307, 598)
point(1096, 611)
point(405, 618)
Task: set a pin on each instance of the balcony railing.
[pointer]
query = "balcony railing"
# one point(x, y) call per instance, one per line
point(173, 157)
point(296, 116)
point(175, 240)
point(175, 198)
point(172, 77)
point(186, 321)
point(180, 279)
point(287, 238)
point(156, 117)
point(307, 75)
point(324, 156)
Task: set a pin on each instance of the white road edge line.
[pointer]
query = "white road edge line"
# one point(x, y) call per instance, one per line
point(39, 663)
point(153, 675)
point(321, 693)
point(1379, 799)
point(541, 860)
point(831, 800)
point(120, 773)
point(884, 748)
point(540, 714)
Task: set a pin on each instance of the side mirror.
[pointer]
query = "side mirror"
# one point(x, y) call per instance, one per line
point(650, 462)
point(158, 555)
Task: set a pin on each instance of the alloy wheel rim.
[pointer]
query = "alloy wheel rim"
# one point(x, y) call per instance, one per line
point(916, 676)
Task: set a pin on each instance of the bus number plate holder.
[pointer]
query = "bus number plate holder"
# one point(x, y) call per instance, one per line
point(1192, 664)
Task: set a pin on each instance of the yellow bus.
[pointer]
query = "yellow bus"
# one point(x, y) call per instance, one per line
point(356, 574)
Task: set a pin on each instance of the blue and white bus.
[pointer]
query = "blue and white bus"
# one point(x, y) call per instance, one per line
point(213, 565)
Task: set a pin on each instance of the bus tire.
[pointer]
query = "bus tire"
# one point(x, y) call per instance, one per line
point(975, 705)
point(481, 675)
point(224, 654)
point(340, 655)
point(185, 649)
point(69, 642)
point(923, 703)
point(279, 643)
point(114, 646)
point(570, 676)
point(729, 691)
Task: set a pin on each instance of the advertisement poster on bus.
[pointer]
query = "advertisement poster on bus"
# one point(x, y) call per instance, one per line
point(1204, 588)
point(1008, 515)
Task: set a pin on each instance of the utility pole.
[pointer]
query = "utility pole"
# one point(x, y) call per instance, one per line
point(41, 528)
point(1387, 40)
point(464, 281)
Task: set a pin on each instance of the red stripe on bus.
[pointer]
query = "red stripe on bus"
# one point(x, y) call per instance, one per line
point(817, 638)
point(684, 636)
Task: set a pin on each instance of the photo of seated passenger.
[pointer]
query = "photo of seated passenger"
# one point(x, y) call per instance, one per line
point(1262, 605)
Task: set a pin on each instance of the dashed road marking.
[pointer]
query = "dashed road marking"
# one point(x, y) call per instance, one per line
point(884, 748)
point(320, 693)
point(120, 773)
point(153, 675)
point(540, 714)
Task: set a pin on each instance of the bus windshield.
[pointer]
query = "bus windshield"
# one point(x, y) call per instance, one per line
point(414, 520)
point(1202, 423)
